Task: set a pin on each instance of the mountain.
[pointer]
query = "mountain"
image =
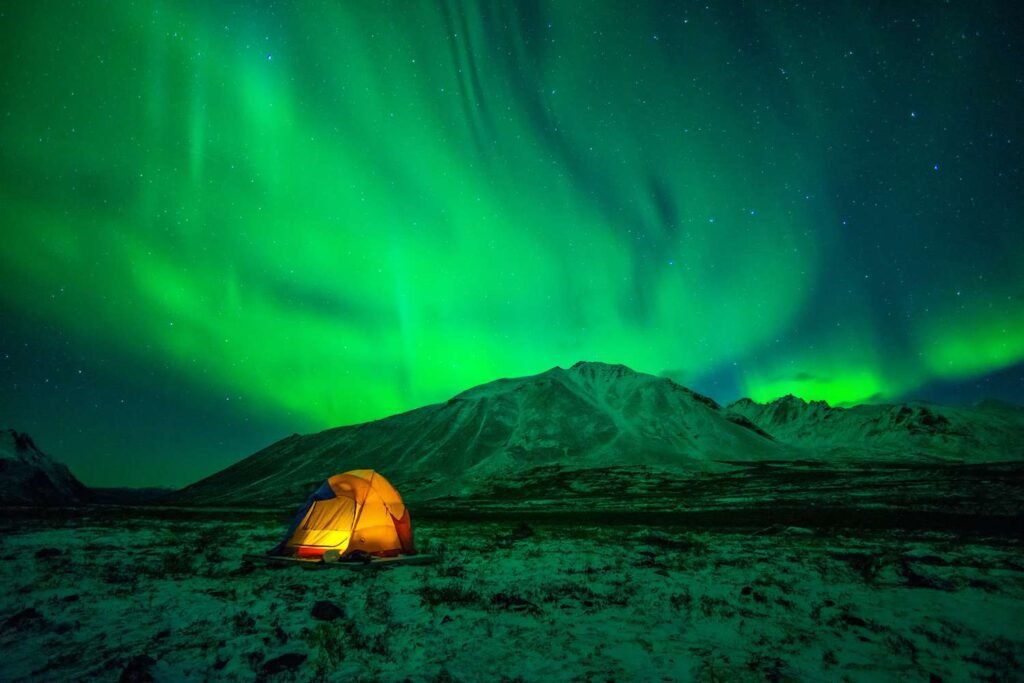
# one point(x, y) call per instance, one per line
point(30, 477)
point(990, 431)
point(604, 431)
point(591, 416)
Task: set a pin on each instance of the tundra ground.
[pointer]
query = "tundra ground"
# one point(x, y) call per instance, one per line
point(137, 593)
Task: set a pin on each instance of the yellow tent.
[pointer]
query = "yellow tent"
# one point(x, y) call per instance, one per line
point(357, 510)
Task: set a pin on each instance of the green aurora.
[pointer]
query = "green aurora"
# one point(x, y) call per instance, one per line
point(335, 212)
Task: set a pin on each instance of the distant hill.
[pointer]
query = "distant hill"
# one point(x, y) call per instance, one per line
point(30, 477)
point(596, 417)
point(991, 431)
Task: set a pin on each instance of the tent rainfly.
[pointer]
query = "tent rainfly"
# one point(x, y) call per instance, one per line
point(357, 510)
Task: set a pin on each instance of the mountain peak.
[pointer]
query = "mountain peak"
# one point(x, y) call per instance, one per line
point(789, 405)
point(15, 445)
point(595, 368)
point(601, 366)
point(29, 476)
point(789, 399)
point(742, 403)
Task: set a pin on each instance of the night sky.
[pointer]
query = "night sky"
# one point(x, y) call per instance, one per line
point(222, 224)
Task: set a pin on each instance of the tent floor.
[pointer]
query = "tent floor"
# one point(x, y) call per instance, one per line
point(317, 563)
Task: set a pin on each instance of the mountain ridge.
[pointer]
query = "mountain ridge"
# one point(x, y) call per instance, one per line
point(926, 429)
point(28, 476)
point(595, 416)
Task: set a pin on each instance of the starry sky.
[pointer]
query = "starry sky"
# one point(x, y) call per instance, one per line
point(222, 223)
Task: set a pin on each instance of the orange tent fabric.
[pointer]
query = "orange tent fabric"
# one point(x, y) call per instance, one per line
point(357, 510)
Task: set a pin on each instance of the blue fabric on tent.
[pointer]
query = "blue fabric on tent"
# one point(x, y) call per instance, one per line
point(325, 492)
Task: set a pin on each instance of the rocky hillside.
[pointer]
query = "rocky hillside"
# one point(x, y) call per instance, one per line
point(990, 431)
point(590, 416)
point(30, 477)
point(595, 429)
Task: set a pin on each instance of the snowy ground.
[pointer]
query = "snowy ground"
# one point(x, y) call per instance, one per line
point(110, 596)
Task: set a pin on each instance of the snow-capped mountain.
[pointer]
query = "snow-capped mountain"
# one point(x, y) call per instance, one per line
point(30, 477)
point(592, 415)
point(990, 431)
point(597, 417)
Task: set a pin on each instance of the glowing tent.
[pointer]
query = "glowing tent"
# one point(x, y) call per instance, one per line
point(357, 510)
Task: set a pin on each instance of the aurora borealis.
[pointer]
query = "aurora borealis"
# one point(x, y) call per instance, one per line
point(226, 222)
